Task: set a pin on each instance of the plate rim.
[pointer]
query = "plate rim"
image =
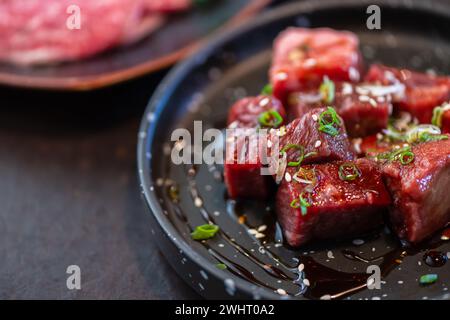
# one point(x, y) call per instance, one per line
point(158, 101)
point(106, 79)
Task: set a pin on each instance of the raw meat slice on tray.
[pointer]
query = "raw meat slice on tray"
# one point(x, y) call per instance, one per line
point(302, 57)
point(37, 32)
point(331, 200)
point(243, 178)
point(420, 190)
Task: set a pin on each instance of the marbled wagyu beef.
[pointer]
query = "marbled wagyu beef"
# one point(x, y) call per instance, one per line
point(332, 200)
point(243, 178)
point(420, 191)
point(302, 57)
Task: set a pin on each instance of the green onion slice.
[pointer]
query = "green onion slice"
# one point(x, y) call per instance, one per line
point(329, 122)
point(428, 278)
point(267, 90)
point(349, 171)
point(302, 203)
point(404, 155)
point(438, 112)
point(327, 90)
point(300, 157)
point(221, 266)
point(270, 118)
point(204, 232)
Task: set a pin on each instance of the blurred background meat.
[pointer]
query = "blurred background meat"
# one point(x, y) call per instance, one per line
point(46, 31)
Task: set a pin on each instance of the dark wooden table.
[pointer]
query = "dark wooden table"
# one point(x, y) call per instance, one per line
point(69, 196)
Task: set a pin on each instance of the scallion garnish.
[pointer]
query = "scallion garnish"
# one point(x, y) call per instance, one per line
point(404, 155)
point(300, 157)
point(438, 112)
point(327, 90)
point(301, 203)
point(221, 266)
point(204, 232)
point(428, 278)
point(267, 90)
point(427, 137)
point(270, 118)
point(329, 122)
point(349, 171)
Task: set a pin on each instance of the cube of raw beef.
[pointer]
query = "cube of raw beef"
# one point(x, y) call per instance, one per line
point(243, 177)
point(245, 112)
point(422, 92)
point(364, 108)
point(303, 136)
point(421, 204)
point(303, 56)
point(332, 207)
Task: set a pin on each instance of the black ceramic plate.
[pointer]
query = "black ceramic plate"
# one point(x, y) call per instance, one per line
point(414, 34)
point(178, 36)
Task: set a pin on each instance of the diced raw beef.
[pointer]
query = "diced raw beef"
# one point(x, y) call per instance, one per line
point(37, 32)
point(245, 113)
point(334, 207)
point(302, 57)
point(421, 204)
point(364, 108)
point(422, 93)
point(305, 134)
point(244, 178)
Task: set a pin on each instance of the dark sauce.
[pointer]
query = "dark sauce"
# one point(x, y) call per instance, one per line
point(435, 258)
point(323, 282)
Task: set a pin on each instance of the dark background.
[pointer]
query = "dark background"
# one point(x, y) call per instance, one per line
point(69, 196)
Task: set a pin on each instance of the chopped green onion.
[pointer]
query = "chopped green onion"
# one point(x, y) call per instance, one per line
point(204, 232)
point(349, 171)
point(301, 203)
point(438, 112)
point(329, 122)
point(267, 90)
point(300, 157)
point(428, 278)
point(327, 90)
point(270, 118)
point(426, 137)
point(404, 155)
point(221, 266)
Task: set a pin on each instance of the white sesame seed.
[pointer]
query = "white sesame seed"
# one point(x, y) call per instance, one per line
point(281, 292)
point(301, 267)
point(262, 228)
point(317, 144)
point(306, 282)
point(198, 202)
point(259, 235)
point(315, 118)
point(330, 254)
point(325, 297)
point(288, 177)
point(252, 231)
point(372, 102)
point(264, 102)
point(281, 76)
point(400, 282)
